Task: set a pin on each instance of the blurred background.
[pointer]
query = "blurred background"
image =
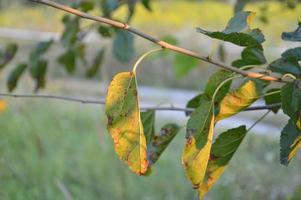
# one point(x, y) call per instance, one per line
point(61, 150)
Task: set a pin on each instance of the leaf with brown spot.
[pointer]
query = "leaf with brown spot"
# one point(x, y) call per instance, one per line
point(199, 140)
point(124, 122)
point(239, 99)
point(222, 152)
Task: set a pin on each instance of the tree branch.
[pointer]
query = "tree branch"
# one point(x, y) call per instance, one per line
point(102, 102)
point(163, 44)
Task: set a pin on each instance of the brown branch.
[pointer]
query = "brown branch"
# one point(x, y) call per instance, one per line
point(163, 44)
point(102, 102)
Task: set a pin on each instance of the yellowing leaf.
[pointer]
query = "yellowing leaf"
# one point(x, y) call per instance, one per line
point(238, 100)
point(2, 105)
point(222, 151)
point(198, 145)
point(124, 122)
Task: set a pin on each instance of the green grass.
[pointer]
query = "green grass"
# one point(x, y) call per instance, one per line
point(46, 143)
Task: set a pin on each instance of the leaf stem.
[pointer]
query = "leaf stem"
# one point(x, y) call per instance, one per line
point(143, 56)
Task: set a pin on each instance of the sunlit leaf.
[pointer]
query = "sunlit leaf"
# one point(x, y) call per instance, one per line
point(273, 99)
point(293, 36)
point(239, 99)
point(290, 141)
point(2, 105)
point(148, 121)
point(8, 54)
point(221, 153)
point(124, 122)
point(160, 142)
point(15, 75)
point(198, 143)
point(123, 46)
point(94, 69)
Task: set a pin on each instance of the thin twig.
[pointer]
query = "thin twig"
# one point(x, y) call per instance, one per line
point(259, 120)
point(163, 44)
point(102, 102)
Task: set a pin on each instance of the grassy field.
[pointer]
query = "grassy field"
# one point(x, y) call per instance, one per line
point(49, 150)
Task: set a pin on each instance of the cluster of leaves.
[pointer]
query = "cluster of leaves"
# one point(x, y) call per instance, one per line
point(72, 41)
point(204, 159)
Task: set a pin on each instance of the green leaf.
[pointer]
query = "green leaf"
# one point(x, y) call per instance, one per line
point(273, 99)
point(148, 121)
point(250, 56)
point(69, 36)
point(198, 143)
point(124, 122)
point(68, 60)
point(41, 49)
point(294, 36)
point(291, 99)
point(288, 63)
point(86, 6)
point(146, 4)
point(105, 31)
point(38, 71)
point(15, 75)
point(160, 142)
point(290, 142)
point(9, 53)
point(93, 70)
point(183, 64)
point(221, 153)
point(123, 46)
point(239, 99)
point(213, 83)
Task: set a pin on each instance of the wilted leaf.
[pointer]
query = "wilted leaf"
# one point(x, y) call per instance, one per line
point(9, 53)
point(38, 71)
point(68, 60)
point(291, 99)
point(290, 142)
point(123, 46)
point(93, 70)
point(288, 63)
point(148, 121)
point(183, 64)
point(124, 122)
point(198, 144)
point(159, 142)
point(293, 36)
point(273, 99)
point(221, 153)
point(15, 75)
point(239, 99)
point(2, 105)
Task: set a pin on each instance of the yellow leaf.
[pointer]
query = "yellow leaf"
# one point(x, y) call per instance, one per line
point(2, 105)
point(124, 122)
point(238, 100)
